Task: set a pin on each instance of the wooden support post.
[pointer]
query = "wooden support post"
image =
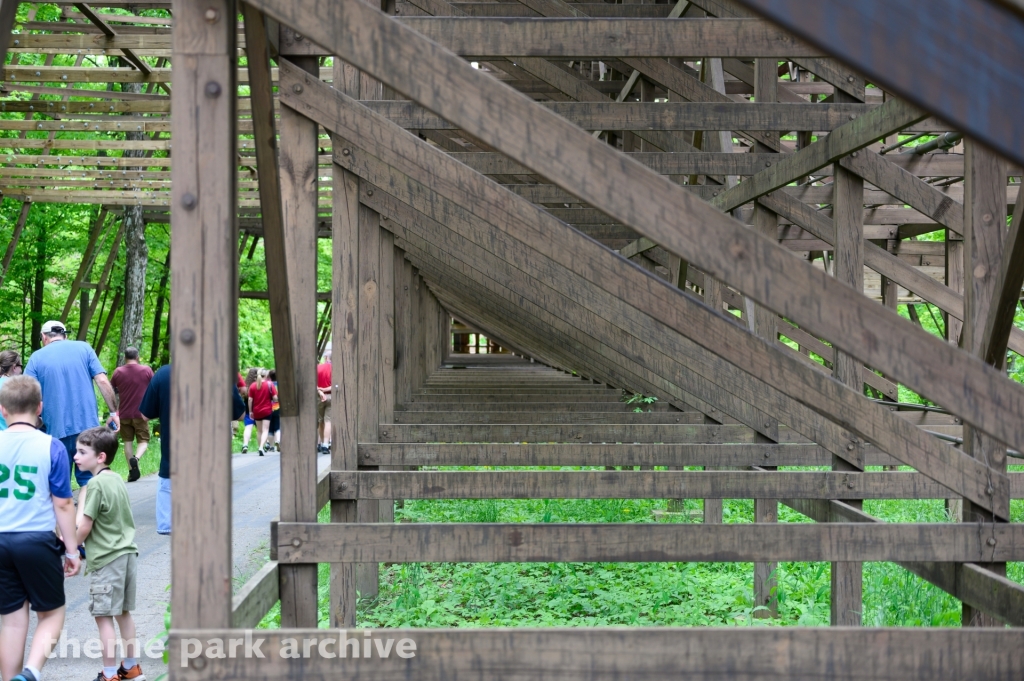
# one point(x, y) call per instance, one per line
point(387, 349)
point(115, 305)
point(299, 174)
point(848, 216)
point(204, 307)
point(403, 328)
point(345, 296)
point(764, 324)
point(19, 227)
point(984, 239)
point(369, 352)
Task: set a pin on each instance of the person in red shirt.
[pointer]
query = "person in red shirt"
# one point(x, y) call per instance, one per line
point(262, 396)
point(323, 407)
point(130, 382)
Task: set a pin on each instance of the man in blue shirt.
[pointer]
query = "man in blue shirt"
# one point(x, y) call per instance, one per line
point(66, 370)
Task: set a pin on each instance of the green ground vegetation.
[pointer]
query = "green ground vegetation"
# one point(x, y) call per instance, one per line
point(634, 594)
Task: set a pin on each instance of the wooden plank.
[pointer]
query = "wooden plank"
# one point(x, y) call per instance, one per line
point(8, 13)
point(856, 134)
point(271, 209)
point(203, 285)
point(568, 433)
point(846, 594)
point(968, 582)
point(588, 37)
point(298, 192)
point(545, 417)
point(749, 454)
point(646, 654)
point(256, 597)
point(345, 357)
point(634, 485)
point(645, 542)
point(369, 381)
point(999, 327)
point(972, 37)
point(814, 398)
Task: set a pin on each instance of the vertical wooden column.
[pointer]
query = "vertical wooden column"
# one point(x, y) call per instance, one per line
point(984, 239)
point(766, 79)
point(418, 371)
point(386, 404)
point(369, 352)
point(848, 213)
point(954, 274)
point(345, 351)
point(299, 175)
point(204, 309)
point(403, 328)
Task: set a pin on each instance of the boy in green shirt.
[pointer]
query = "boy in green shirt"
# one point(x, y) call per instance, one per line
point(108, 531)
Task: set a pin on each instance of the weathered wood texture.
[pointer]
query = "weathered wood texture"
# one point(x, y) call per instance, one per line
point(648, 654)
point(583, 543)
point(203, 305)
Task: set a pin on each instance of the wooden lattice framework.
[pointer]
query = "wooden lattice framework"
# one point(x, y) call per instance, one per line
point(661, 136)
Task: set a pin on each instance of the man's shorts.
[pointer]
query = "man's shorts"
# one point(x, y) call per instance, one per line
point(31, 570)
point(132, 429)
point(323, 411)
point(112, 589)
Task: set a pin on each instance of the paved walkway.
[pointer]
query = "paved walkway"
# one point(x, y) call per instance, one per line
point(256, 499)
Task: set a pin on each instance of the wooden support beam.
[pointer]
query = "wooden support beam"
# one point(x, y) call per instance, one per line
point(88, 258)
point(345, 355)
point(271, 209)
point(971, 36)
point(369, 362)
point(109, 32)
point(984, 246)
point(847, 139)
point(19, 227)
point(298, 238)
point(8, 13)
point(633, 485)
point(999, 325)
point(203, 299)
point(987, 591)
point(633, 542)
point(101, 285)
point(593, 654)
point(853, 411)
point(422, 70)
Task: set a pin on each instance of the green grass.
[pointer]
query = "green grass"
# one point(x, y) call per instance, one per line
point(633, 594)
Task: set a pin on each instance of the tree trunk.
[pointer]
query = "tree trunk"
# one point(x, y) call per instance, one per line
point(158, 315)
point(136, 256)
point(37, 292)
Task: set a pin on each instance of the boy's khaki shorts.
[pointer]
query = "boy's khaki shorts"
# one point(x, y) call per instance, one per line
point(112, 589)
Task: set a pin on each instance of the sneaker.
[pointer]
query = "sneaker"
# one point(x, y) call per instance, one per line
point(133, 469)
point(261, 451)
point(135, 673)
point(245, 449)
point(101, 677)
point(26, 675)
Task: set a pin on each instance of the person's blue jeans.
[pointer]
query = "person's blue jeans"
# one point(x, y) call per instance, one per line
point(70, 443)
point(163, 506)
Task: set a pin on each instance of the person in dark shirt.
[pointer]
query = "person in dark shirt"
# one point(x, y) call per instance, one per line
point(130, 381)
point(156, 404)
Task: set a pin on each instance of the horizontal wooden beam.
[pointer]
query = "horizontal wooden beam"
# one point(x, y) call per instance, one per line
point(598, 654)
point(751, 454)
point(639, 485)
point(299, 543)
point(572, 433)
point(619, 416)
point(256, 597)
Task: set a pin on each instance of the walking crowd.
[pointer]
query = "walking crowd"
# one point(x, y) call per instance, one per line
point(50, 429)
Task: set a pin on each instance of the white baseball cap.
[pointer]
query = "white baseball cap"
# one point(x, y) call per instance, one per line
point(54, 326)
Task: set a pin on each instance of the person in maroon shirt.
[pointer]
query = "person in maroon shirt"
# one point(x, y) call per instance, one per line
point(262, 396)
point(323, 407)
point(130, 382)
